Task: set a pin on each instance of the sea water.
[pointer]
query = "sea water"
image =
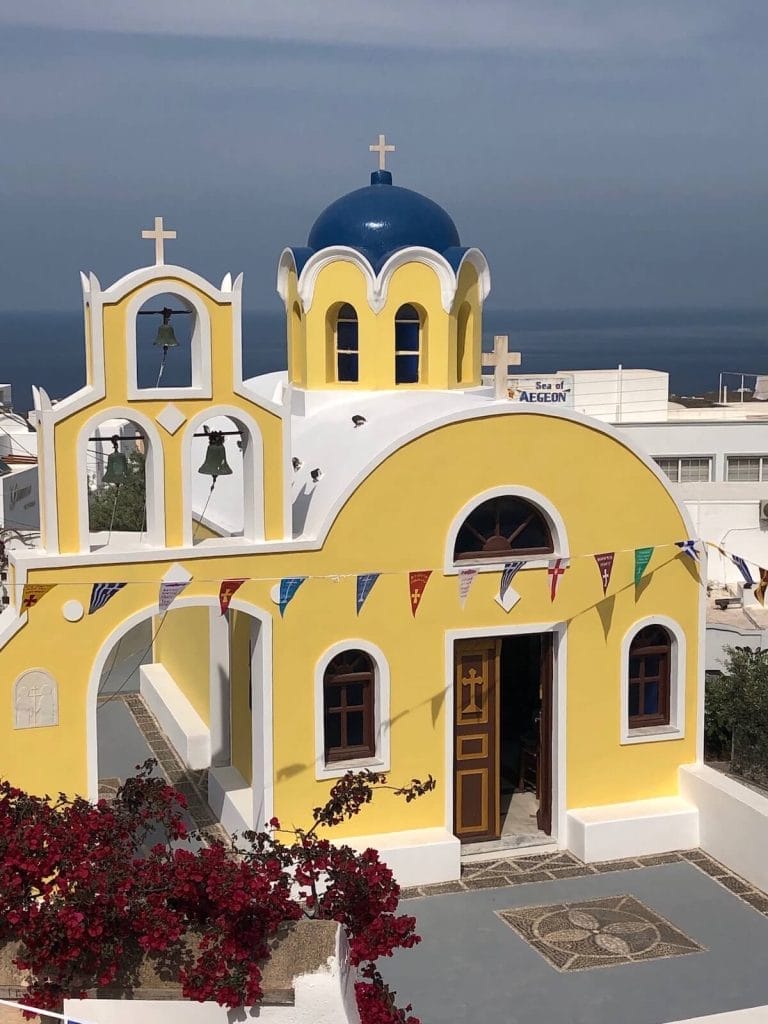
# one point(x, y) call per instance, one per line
point(693, 346)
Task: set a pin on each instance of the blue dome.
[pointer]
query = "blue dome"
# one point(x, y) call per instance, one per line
point(381, 218)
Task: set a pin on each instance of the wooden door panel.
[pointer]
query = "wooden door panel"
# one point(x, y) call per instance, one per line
point(476, 739)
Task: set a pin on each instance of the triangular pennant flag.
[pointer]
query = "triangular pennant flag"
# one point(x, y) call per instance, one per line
point(466, 579)
point(761, 586)
point(511, 569)
point(556, 570)
point(32, 593)
point(101, 593)
point(743, 568)
point(417, 581)
point(227, 591)
point(288, 587)
point(169, 591)
point(365, 583)
point(605, 565)
point(642, 558)
point(688, 547)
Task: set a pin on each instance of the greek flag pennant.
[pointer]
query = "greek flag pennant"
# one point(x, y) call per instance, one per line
point(101, 593)
point(466, 579)
point(288, 587)
point(743, 568)
point(642, 558)
point(507, 597)
point(605, 566)
point(555, 571)
point(365, 584)
point(417, 582)
point(688, 547)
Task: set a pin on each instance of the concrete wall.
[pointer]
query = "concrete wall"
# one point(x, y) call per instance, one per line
point(733, 821)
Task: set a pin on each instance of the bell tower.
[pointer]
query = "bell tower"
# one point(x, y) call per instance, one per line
point(383, 296)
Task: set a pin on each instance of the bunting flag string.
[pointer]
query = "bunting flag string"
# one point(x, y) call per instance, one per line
point(288, 587)
point(169, 591)
point(417, 581)
point(466, 579)
point(642, 558)
point(741, 565)
point(605, 565)
point(101, 593)
point(227, 591)
point(365, 584)
point(32, 593)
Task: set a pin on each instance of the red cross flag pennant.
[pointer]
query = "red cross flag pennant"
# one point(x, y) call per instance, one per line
point(227, 592)
point(605, 566)
point(32, 593)
point(417, 581)
point(556, 570)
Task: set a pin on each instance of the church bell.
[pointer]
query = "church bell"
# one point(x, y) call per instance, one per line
point(215, 463)
point(117, 467)
point(165, 337)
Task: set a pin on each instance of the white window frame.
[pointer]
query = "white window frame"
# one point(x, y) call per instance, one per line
point(677, 678)
point(553, 518)
point(762, 460)
point(680, 459)
point(380, 762)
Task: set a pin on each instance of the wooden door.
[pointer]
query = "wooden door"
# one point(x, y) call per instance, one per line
point(476, 797)
point(544, 773)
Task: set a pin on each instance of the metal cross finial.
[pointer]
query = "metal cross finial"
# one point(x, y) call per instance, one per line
point(159, 236)
point(501, 359)
point(382, 149)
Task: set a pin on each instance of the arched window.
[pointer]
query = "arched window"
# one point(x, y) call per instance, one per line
point(465, 329)
point(295, 342)
point(650, 655)
point(502, 527)
point(347, 355)
point(407, 345)
point(348, 707)
point(116, 456)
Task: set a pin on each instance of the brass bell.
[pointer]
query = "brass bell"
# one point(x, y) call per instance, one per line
point(165, 337)
point(117, 471)
point(215, 463)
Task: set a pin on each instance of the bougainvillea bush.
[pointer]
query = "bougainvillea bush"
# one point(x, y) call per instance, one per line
point(90, 891)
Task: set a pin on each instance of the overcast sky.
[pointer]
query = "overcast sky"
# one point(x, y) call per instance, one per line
point(603, 153)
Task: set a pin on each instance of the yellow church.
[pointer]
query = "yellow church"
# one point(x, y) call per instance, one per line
point(377, 559)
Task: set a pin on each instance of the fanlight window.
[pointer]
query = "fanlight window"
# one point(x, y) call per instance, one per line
point(407, 345)
point(649, 677)
point(347, 353)
point(501, 527)
point(348, 707)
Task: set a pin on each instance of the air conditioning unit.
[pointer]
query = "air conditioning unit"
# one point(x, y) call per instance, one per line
point(764, 510)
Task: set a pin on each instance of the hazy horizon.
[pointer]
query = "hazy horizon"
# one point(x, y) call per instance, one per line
point(603, 156)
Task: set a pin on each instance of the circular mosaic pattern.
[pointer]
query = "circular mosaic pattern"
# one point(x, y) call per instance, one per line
point(598, 932)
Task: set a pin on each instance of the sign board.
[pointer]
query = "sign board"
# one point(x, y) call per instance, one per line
point(548, 389)
point(21, 499)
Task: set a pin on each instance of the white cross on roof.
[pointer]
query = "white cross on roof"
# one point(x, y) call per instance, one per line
point(382, 149)
point(159, 236)
point(501, 359)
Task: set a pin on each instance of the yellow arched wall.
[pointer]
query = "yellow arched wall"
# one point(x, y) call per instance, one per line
point(398, 520)
point(67, 431)
point(414, 283)
point(240, 669)
point(182, 646)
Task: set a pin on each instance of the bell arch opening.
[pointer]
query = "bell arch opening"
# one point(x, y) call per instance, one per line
point(166, 325)
point(224, 478)
point(119, 462)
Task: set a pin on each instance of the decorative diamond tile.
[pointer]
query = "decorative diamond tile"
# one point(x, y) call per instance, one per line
point(604, 932)
point(171, 418)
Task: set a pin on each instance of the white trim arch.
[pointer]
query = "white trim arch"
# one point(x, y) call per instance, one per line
point(154, 474)
point(554, 520)
point(381, 703)
point(200, 341)
point(253, 470)
point(262, 750)
point(677, 681)
point(377, 285)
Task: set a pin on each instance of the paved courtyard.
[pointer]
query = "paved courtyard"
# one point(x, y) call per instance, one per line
point(547, 938)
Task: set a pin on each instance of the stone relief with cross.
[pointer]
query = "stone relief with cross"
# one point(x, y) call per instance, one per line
point(35, 700)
